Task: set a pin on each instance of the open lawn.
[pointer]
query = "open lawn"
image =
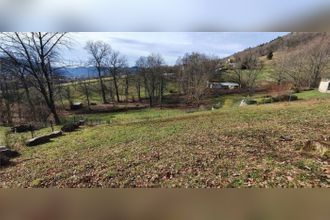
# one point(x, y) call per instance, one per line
point(229, 147)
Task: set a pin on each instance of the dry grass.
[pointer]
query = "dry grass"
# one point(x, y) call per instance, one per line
point(237, 147)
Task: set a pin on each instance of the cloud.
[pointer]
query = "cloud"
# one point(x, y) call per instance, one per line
point(170, 45)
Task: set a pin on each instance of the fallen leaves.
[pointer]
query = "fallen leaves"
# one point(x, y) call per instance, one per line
point(238, 148)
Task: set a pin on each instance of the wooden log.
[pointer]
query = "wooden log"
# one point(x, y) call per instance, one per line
point(55, 134)
point(37, 141)
point(4, 151)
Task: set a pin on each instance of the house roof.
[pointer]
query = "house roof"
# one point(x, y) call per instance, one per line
point(229, 84)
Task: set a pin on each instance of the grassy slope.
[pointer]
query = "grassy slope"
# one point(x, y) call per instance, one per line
point(134, 116)
point(2, 135)
point(78, 95)
point(236, 147)
point(313, 94)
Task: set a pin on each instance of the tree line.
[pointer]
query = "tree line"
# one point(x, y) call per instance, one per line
point(32, 84)
point(32, 81)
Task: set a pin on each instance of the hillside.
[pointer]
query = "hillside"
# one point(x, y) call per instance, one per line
point(287, 43)
point(230, 147)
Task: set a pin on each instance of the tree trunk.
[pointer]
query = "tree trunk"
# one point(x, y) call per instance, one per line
point(116, 86)
point(161, 92)
point(28, 97)
point(138, 87)
point(55, 115)
point(126, 88)
point(104, 100)
point(87, 97)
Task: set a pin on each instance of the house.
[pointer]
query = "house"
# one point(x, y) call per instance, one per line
point(214, 85)
point(223, 85)
point(325, 85)
point(230, 85)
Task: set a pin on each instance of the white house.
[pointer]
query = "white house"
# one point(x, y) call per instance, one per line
point(230, 85)
point(325, 85)
point(223, 85)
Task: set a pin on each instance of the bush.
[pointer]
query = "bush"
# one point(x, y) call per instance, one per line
point(250, 101)
point(285, 98)
point(266, 100)
point(218, 105)
point(70, 126)
point(270, 55)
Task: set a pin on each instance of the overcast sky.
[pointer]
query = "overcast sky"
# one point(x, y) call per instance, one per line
point(170, 45)
point(154, 15)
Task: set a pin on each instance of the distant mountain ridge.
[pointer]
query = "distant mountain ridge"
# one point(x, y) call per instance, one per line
point(289, 42)
point(81, 71)
point(85, 71)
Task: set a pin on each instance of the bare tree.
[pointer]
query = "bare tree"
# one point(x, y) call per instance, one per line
point(151, 69)
point(247, 70)
point(279, 74)
point(138, 83)
point(141, 64)
point(23, 78)
point(317, 58)
point(195, 72)
point(7, 98)
point(238, 77)
point(295, 68)
point(127, 77)
point(36, 52)
point(116, 64)
point(305, 67)
point(99, 52)
point(84, 87)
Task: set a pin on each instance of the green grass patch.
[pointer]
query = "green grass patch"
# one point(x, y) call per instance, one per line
point(312, 94)
point(3, 131)
point(133, 116)
point(228, 147)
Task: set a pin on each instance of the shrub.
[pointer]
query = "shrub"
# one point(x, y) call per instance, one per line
point(250, 101)
point(284, 98)
point(270, 55)
point(70, 126)
point(218, 105)
point(266, 100)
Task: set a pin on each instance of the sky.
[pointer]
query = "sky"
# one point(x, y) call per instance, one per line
point(170, 45)
point(154, 15)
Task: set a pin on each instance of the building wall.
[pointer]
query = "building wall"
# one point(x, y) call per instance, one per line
point(324, 86)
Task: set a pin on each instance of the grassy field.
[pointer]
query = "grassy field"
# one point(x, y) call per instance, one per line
point(77, 94)
point(312, 94)
point(134, 116)
point(229, 147)
point(2, 135)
